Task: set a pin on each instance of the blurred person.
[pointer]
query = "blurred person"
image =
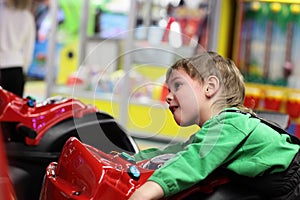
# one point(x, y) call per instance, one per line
point(17, 40)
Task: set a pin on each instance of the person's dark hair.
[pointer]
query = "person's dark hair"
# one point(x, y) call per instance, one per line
point(211, 63)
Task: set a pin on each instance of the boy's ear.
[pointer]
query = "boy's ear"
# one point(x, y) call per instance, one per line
point(212, 86)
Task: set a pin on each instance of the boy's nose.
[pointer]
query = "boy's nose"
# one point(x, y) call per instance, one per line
point(169, 97)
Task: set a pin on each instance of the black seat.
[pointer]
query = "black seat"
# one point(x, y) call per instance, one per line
point(20, 180)
point(108, 136)
point(281, 119)
point(229, 192)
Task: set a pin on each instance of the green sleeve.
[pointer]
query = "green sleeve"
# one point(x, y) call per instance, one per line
point(152, 152)
point(215, 145)
point(210, 148)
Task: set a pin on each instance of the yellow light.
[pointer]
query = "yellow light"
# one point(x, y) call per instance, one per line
point(295, 8)
point(275, 7)
point(255, 6)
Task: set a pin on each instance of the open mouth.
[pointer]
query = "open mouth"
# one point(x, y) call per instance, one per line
point(173, 108)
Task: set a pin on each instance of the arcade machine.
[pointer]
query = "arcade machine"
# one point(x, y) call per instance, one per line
point(265, 51)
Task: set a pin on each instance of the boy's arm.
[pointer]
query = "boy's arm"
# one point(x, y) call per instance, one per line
point(149, 191)
point(152, 152)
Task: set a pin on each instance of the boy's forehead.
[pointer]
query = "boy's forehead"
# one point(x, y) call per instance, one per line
point(179, 72)
point(176, 74)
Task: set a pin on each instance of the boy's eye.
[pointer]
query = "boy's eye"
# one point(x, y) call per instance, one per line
point(177, 85)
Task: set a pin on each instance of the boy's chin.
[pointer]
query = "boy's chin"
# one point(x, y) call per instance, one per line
point(183, 124)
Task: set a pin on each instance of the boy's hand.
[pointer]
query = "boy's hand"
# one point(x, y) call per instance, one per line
point(149, 191)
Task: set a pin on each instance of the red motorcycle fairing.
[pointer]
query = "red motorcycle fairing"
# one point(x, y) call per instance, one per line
point(6, 188)
point(34, 134)
point(34, 119)
point(84, 172)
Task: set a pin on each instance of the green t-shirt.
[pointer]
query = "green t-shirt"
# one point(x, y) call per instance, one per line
point(210, 147)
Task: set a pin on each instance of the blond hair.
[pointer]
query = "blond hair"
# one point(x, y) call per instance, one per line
point(19, 4)
point(210, 63)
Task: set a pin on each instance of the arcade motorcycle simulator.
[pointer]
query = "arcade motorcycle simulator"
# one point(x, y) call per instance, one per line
point(34, 134)
point(63, 149)
point(84, 172)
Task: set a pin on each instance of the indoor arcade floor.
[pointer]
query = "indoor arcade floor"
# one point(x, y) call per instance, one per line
point(37, 89)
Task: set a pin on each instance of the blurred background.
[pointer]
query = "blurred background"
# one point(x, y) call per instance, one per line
point(114, 54)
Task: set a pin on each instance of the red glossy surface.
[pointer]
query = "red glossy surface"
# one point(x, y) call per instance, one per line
point(6, 188)
point(39, 116)
point(84, 172)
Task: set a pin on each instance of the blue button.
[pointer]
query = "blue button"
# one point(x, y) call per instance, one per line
point(31, 103)
point(134, 172)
